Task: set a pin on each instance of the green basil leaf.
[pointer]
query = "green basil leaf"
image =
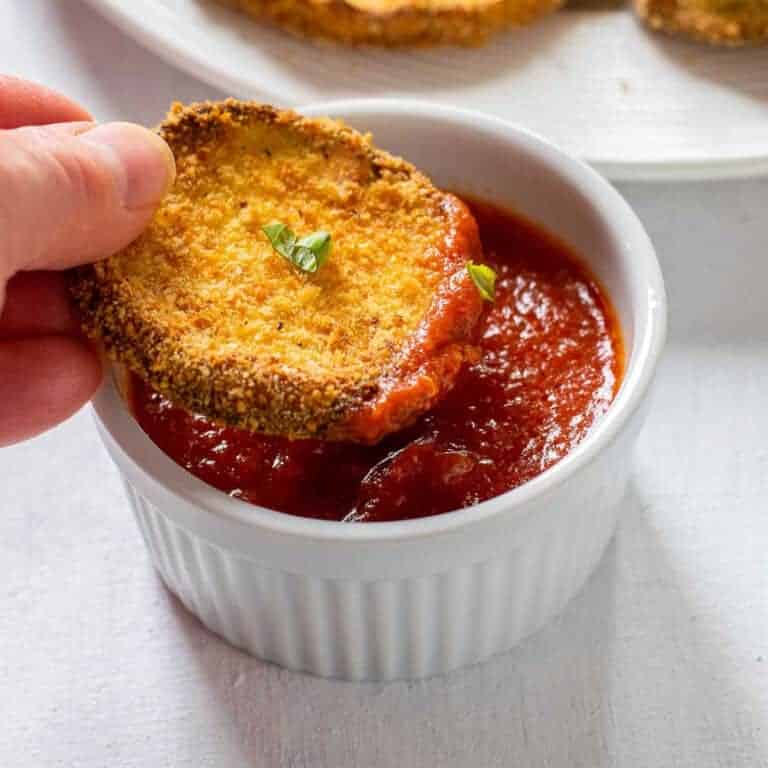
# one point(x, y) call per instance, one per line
point(305, 259)
point(308, 254)
point(484, 279)
point(282, 238)
point(319, 243)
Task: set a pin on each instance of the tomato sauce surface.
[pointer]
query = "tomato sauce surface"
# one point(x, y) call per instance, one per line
point(551, 364)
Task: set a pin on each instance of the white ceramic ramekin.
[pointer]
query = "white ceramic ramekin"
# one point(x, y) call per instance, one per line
point(419, 597)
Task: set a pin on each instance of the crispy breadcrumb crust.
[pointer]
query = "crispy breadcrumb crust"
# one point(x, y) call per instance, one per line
point(397, 22)
point(204, 309)
point(728, 23)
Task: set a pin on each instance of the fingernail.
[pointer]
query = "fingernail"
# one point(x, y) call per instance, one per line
point(143, 163)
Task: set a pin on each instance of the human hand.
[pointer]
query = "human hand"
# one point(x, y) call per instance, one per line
point(71, 191)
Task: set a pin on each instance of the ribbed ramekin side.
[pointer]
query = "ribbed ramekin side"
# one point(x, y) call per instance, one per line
point(380, 630)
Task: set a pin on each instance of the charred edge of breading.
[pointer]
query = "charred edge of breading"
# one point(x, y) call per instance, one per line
point(189, 127)
point(272, 402)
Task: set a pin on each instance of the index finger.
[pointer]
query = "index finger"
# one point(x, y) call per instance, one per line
point(24, 103)
point(37, 304)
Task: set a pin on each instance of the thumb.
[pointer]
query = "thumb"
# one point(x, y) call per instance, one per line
point(76, 192)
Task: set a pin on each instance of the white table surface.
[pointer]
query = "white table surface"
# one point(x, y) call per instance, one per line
point(661, 661)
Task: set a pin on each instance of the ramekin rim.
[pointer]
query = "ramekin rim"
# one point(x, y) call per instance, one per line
point(643, 362)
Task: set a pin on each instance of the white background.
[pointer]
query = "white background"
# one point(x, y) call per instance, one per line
point(661, 661)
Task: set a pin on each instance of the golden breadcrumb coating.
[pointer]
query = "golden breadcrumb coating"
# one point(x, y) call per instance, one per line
point(719, 22)
point(204, 309)
point(397, 22)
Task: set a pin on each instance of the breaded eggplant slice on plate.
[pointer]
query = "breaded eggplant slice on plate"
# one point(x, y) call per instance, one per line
point(718, 22)
point(397, 22)
point(209, 313)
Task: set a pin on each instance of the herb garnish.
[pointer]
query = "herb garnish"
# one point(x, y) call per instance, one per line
point(484, 279)
point(307, 253)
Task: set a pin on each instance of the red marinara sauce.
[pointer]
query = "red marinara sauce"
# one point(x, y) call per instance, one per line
point(551, 364)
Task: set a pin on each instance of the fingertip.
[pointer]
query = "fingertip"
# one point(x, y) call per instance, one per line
point(78, 373)
point(75, 195)
point(45, 381)
point(143, 163)
point(26, 103)
point(38, 304)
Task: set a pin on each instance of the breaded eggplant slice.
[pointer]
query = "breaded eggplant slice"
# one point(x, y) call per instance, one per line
point(204, 309)
point(718, 22)
point(397, 22)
